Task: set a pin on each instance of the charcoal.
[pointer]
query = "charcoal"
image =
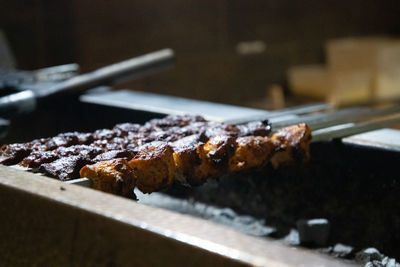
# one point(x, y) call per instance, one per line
point(390, 262)
point(245, 219)
point(227, 212)
point(342, 251)
point(369, 254)
point(314, 231)
point(371, 257)
point(327, 250)
point(374, 264)
point(225, 216)
point(292, 239)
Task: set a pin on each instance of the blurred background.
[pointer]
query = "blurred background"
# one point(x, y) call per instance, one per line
point(264, 54)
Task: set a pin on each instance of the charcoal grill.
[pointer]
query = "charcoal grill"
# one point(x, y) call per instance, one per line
point(48, 221)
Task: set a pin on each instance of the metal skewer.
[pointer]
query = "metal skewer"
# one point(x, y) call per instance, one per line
point(288, 113)
point(347, 129)
point(323, 120)
point(81, 181)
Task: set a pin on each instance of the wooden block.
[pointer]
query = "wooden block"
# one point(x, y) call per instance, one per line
point(388, 56)
point(350, 87)
point(340, 87)
point(387, 75)
point(378, 56)
point(355, 53)
point(309, 80)
point(387, 84)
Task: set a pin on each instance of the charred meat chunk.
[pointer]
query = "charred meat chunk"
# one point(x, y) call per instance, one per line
point(64, 168)
point(64, 139)
point(37, 158)
point(83, 150)
point(154, 166)
point(13, 153)
point(115, 154)
point(114, 176)
point(255, 128)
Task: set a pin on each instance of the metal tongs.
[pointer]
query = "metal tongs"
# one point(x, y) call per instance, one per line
point(55, 81)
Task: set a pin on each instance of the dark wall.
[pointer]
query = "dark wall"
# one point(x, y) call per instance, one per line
point(204, 35)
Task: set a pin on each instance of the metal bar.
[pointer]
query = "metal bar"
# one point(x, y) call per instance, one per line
point(323, 120)
point(347, 129)
point(57, 73)
point(132, 68)
point(303, 109)
point(21, 102)
point(81, 181)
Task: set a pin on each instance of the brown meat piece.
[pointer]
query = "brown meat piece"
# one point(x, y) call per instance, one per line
point(64, 168)
point(113, 176)
point(255, 128)
point(213, 129)
point(186, 158)
point(37, 158)
point(64, 139)
point(85, 151)
point(292, 144)
point(13, 153)
point(203, 161)
point(173, 121)
point(251, 152)
point(127, 127)
point(154, 166)
point(114, 154)
point(104, 134)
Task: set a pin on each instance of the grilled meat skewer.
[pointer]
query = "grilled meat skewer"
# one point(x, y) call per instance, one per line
point(64, 155)
point(158, 164)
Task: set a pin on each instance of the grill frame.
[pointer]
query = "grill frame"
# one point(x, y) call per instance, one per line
point(51, 222)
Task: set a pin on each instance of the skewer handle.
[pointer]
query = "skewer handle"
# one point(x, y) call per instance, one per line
point(126, 70)
point(26, 101)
